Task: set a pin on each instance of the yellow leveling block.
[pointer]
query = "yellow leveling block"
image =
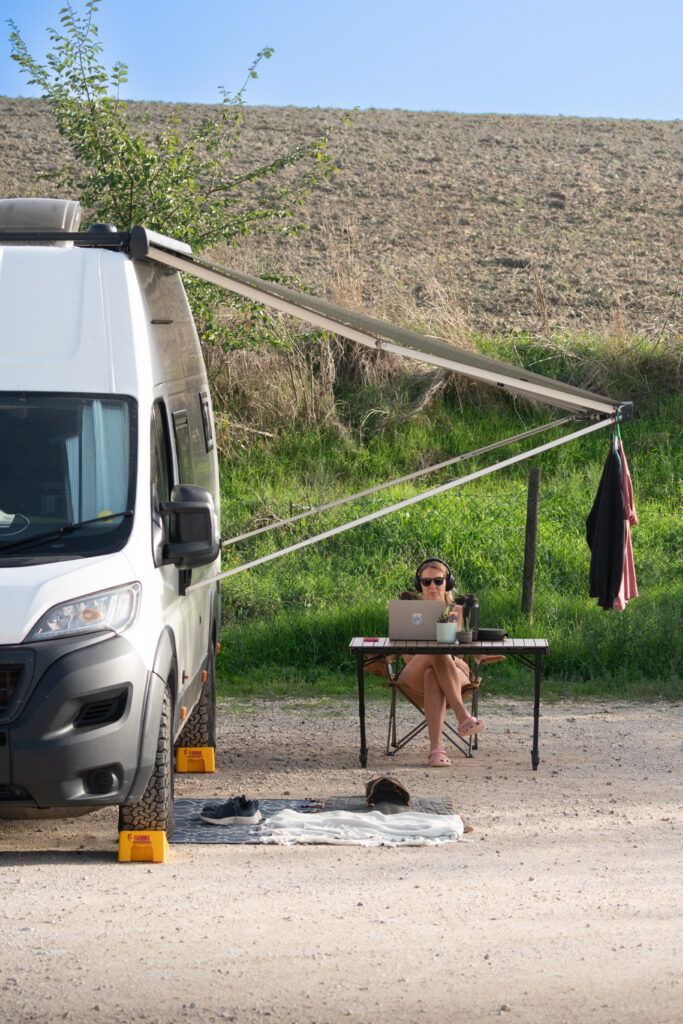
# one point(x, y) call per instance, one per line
point(149, 846)
point(195, 759)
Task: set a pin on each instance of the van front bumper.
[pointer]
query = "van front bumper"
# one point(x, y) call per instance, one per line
point(79, 726)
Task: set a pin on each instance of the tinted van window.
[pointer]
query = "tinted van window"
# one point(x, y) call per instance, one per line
point(67, 473)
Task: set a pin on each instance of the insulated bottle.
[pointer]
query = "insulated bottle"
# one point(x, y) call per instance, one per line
point(470, 606)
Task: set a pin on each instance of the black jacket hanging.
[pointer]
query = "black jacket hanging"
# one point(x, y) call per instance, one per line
point(605, 534)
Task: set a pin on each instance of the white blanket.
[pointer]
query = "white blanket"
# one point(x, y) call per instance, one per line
point(362, 828)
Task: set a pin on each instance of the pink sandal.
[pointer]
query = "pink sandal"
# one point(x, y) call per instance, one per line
point(439, 759)
point(470, 727)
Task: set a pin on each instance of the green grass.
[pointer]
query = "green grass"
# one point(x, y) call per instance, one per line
point(287, 624)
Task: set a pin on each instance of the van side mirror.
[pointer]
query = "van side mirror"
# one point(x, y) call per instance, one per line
point(191, 528)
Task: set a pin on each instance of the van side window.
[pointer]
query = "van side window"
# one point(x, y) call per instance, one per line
point(161, 462)
point(181, 429)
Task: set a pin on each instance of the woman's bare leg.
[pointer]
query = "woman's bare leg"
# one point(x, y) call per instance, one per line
point(435, 709)
point(450, 679)
point(419, 682)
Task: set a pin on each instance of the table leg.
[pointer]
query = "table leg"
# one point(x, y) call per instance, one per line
point(361, 709)
point(537, 703)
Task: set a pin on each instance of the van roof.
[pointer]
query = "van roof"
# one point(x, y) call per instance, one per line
point(70, 320)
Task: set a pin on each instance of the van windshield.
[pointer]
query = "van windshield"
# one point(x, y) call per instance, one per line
point(65, 459)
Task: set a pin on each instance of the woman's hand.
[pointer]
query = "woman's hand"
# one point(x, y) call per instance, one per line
point(455, 610)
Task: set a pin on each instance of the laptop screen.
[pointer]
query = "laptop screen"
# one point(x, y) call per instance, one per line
point(414, 620)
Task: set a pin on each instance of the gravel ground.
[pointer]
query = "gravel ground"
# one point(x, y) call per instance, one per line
point(563, 904)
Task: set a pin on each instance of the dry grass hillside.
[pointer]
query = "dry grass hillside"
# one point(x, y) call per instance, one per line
point(458, 222)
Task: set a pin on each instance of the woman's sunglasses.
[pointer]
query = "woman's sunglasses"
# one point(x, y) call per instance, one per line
point(439, 580)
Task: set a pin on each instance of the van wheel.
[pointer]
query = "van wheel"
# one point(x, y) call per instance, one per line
point(154, 809)
point(200, 728)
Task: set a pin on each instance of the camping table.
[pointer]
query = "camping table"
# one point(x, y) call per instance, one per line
point(527, 652)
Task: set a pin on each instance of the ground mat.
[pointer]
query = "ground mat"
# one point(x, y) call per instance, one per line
point(190, 829)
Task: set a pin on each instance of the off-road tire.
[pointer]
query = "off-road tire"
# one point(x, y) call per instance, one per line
point(154, 809)
point(200, 728)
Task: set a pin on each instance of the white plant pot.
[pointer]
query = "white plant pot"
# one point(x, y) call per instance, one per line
point(447, 632)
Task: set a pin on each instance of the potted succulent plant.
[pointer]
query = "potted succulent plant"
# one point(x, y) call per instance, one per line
point(446, 631)
point(465, 634)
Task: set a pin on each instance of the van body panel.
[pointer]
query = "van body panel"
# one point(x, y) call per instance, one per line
point(27, 592)
point(69, 317)
point(170, 320)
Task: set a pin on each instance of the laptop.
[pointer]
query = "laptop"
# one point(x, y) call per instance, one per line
point(414, 620)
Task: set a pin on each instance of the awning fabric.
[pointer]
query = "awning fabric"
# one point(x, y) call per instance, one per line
point(373, 333)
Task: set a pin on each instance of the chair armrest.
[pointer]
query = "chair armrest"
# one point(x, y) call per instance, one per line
point(381, 665)
point(479, 661)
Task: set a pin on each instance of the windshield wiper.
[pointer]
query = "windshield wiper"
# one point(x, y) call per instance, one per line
point(61, 531)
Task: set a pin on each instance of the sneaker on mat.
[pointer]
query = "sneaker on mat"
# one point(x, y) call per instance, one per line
point(236, 811)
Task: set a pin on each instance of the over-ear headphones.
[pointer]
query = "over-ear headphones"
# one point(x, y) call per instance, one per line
point(450, 582)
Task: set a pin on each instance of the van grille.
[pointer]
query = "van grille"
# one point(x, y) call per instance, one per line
point(9, 681)
point(102, 712)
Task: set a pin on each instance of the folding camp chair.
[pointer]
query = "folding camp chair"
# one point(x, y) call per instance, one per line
point(385, 667)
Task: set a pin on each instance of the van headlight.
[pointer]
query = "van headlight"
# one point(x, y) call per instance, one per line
point(110, 610)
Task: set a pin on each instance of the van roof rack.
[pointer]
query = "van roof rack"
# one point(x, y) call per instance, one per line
point(38, 221)
point(105, 238)
point(136, 243)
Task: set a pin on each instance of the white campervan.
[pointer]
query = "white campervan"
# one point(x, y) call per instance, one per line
point(108, 511)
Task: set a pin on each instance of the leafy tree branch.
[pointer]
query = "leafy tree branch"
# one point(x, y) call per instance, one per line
point(177, 181)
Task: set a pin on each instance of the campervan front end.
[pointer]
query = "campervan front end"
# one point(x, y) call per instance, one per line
point(108, 511)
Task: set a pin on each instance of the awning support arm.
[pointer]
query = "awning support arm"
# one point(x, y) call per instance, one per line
point(399, 480)
point(441, 489)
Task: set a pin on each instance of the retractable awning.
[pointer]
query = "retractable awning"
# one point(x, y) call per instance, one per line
point(373, 333)
point(384, 337)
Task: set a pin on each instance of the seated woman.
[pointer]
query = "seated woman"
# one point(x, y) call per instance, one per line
point(436, 680)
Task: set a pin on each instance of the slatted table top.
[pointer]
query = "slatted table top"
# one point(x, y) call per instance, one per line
point(383, 645)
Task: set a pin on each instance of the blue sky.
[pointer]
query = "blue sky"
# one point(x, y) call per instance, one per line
point(589, 58)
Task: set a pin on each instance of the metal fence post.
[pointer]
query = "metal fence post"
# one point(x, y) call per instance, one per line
point(530, 538)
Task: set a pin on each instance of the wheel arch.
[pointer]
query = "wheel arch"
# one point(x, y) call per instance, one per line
point(215, 614)
point(164, 675)
point(166, 662)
